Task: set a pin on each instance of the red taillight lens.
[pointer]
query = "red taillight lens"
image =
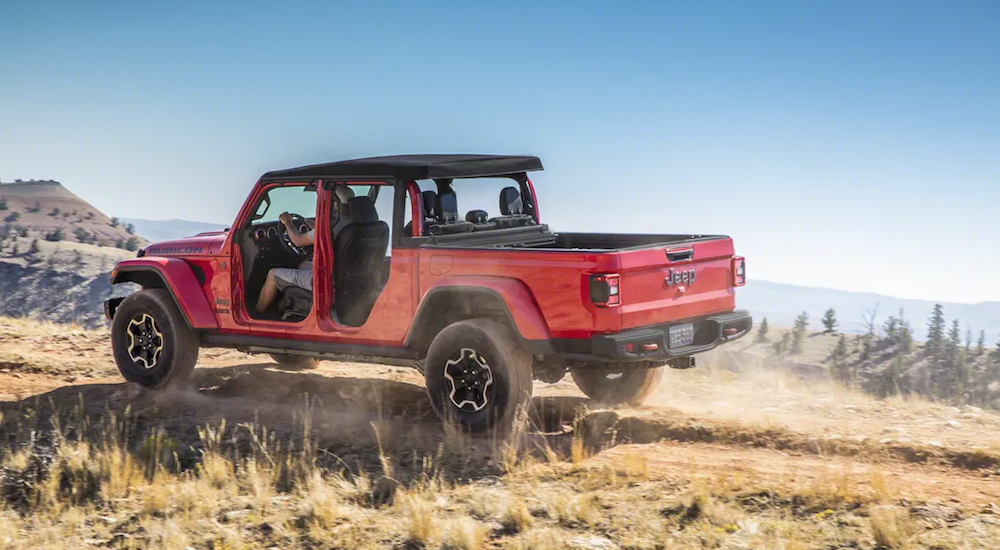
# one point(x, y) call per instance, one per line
point(739, 271)
point(605, 290)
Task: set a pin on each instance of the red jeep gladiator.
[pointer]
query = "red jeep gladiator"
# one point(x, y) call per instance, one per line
point(481, 303)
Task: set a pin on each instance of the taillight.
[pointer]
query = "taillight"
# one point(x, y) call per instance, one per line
point(739, 271)
point(605, 290)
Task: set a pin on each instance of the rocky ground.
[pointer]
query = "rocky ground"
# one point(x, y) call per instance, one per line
point(734, 454)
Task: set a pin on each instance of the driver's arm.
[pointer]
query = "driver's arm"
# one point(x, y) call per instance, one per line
point(298, 239)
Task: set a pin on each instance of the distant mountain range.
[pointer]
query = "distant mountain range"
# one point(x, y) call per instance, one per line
point(781, 303)
point(166, 230)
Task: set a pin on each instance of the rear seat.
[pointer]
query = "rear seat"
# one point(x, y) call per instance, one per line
point(512, 210)
point(427, 201)
point(446, 217)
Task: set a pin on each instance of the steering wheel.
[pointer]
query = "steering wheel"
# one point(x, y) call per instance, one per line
point(300, 223)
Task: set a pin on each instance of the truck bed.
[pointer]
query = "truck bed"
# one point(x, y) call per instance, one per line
point(539, 237)
point(663, 278)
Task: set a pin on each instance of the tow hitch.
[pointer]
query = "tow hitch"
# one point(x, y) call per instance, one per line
point(682, 362)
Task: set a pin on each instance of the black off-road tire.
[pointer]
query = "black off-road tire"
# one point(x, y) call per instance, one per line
point(507, 366)
point(295, 362)
point(619, 386)
point(173, 364)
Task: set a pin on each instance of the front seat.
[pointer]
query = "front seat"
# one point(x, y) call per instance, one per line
point(359, 254)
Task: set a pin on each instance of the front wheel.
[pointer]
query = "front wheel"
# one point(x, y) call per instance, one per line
point(152, 343)
point(618, 386)
point(478, 376)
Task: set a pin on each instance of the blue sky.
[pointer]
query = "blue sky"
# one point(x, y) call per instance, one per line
point(848, 144)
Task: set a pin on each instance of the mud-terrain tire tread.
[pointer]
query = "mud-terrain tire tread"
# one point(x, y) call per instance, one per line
point(510, 363)
point(181, 343)
point(295, 362)
point(631, 389)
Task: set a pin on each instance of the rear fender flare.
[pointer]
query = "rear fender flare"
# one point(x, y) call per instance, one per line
point(508, 299)
point(177, 277)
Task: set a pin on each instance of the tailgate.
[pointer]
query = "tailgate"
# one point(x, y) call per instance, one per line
point(676, 281)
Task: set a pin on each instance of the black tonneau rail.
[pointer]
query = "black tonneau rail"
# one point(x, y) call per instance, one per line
point(539, 237)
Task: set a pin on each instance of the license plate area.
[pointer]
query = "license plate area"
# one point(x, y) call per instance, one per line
point(679, 336)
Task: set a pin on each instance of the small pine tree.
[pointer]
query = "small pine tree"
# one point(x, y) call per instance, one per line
point(115, 222)
point(830, 321)
point(981, 344)
point(839, 357)
point(132, 244)
point(22, 231)
point(935, 332)
point(3, 204)
point(799, 332)
point(55, 212)
point(968, 339)
point(55, 235)
point(905, 337)
point(77, 258)
point(33, 249)
point(762, 331)
point(15, 252)
point(81, 235)
point(120, 243)
point(130, 229)
point(36, 208)
point(12, 217)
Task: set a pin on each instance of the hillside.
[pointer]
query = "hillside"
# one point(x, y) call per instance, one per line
point(65, 282)
point(40, 208)
point(739, 456)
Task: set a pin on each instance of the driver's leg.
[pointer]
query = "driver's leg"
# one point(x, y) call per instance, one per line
point(267, 293)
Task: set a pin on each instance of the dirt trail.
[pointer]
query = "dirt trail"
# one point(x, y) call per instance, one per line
point(758, 424)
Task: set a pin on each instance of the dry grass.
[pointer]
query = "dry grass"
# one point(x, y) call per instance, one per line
point(108, 483)
point(891, 527)
point(111, 494)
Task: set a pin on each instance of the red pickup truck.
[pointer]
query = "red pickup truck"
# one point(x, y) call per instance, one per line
point(481, 303)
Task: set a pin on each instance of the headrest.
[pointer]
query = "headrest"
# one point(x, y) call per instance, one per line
point(510, 202)
point(362, 210)
point(343, 193)
point(429, 199)
point(446, 209)
point(477, 216)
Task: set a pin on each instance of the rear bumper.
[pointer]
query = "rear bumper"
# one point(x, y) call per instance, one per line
point(652, 343)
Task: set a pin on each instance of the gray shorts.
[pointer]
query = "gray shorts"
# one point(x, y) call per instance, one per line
point(301, 277)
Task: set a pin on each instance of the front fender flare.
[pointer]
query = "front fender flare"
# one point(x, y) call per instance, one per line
point(178, 278)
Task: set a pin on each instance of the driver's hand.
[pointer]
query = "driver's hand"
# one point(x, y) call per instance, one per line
point(286, 219)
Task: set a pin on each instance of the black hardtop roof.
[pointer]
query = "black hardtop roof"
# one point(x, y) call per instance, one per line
point(414, 167)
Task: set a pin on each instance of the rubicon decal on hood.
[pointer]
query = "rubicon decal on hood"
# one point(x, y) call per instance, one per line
point(168, 250)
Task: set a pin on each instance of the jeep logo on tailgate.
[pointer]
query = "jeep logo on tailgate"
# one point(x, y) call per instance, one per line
point(680, 277)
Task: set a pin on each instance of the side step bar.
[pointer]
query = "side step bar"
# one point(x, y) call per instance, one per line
point(328, 351)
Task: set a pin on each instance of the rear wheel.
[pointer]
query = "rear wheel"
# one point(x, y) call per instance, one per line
point(618, 386)
point(295, 362)
point(152, 343)
point(478, 376)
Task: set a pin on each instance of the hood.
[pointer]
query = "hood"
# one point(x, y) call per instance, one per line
point(201, 244)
